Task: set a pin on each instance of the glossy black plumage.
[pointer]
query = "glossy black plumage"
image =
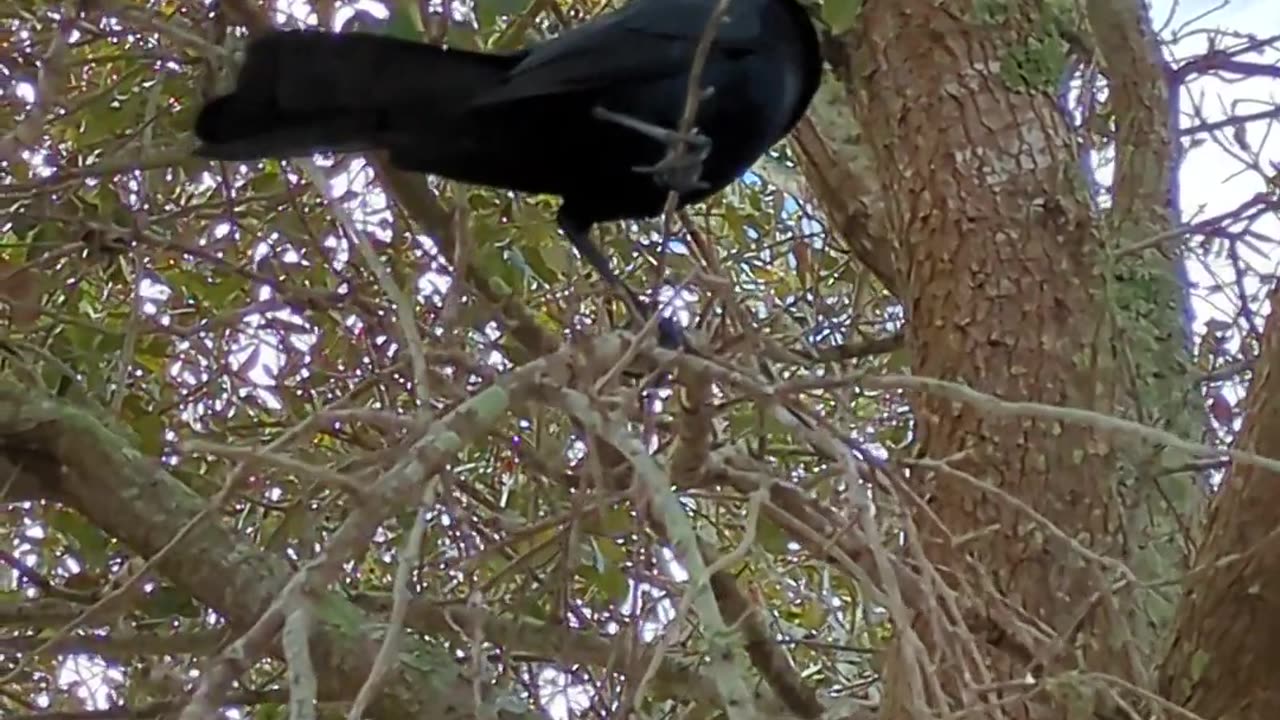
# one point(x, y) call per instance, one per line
point(528, 120)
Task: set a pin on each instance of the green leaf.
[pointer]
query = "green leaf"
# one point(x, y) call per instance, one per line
point(772, 538)
point(613, 583)
point(617, 519)
point(841, 15)
point(488, 11)
point(89, 540)
point(339, 612)
point(556, 259)
point(271, 711)
point(509, 7)
point(405, 21)
point(169, 602)
point(150, 431)
point(605, 576)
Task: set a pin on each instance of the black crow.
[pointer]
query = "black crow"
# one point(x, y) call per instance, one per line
point(590, 115)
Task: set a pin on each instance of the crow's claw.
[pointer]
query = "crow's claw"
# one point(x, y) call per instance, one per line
point(681, 170)
point(670, 334)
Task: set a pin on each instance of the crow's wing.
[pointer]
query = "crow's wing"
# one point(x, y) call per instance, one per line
point(644, 40)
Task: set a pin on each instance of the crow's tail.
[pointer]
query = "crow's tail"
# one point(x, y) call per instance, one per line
point(305, 91)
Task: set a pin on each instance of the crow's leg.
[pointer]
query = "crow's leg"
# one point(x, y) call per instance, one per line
point(669, 335)
point(680, 169)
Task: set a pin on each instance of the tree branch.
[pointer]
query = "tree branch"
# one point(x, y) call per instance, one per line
point(1231, 610)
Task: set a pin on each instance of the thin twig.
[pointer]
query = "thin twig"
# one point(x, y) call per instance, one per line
point(403, 302)
point(389, 651)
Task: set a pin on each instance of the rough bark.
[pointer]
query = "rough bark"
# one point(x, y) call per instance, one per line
point(1225, 656)
point(981, 191)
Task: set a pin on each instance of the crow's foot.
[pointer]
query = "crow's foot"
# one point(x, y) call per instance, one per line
point(680, 169)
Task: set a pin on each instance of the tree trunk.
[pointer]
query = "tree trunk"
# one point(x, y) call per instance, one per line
point(1000, 266)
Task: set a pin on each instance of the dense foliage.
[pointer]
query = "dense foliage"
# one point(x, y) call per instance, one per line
point(301, 351)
